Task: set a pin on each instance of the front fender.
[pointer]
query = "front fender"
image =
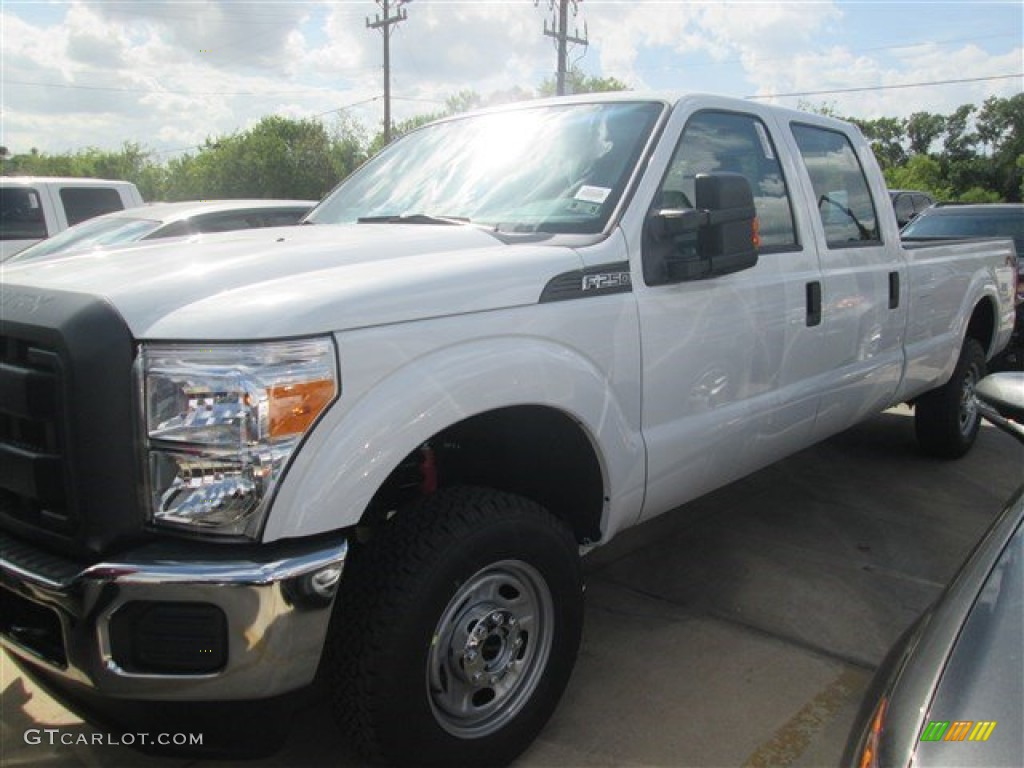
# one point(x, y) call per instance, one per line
point(379, 421)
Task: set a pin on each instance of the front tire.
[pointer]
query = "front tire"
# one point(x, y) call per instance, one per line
point(947, 419)
point(456, 630)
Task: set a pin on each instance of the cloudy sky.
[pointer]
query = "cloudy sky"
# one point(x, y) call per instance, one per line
point(167, 74)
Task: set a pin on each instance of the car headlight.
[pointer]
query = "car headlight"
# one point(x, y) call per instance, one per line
point(221, 423)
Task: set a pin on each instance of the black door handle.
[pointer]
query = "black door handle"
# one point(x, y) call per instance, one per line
point(813, 304)
point(894, 290)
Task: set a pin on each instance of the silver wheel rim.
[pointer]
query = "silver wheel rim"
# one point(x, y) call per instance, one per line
point(968, 402)
point(490, 648)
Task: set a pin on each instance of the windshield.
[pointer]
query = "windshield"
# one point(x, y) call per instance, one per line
point(1003, 223)
point(557, 168)
point(94, 233)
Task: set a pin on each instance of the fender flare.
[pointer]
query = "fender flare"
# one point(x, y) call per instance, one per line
point(354, 449)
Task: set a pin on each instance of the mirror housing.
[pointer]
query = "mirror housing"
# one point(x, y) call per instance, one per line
point(1002, 395)
point(717, 237)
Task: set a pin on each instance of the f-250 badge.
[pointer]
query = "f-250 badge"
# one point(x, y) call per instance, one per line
point(605, 281)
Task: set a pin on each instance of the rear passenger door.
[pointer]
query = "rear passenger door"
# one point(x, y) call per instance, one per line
point(862, 296)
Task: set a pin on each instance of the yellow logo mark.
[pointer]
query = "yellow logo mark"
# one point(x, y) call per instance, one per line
point(982, 730)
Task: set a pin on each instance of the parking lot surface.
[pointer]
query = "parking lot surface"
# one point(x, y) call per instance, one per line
point(740, 630)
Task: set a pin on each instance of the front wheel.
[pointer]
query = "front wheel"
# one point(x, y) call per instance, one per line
point(947, 419)
point(457, 630)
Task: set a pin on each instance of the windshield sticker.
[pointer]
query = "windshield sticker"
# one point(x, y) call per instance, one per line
point(766, 146)
point(590, 194)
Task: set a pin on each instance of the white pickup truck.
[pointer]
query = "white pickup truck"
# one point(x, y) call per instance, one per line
point(369, 452)
point(33, 208)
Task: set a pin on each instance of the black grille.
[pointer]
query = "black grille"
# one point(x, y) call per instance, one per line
point(33, 446)
point(68, 455)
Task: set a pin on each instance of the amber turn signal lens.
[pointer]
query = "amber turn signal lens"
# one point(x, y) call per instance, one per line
point(869, 754)
point(294, 407)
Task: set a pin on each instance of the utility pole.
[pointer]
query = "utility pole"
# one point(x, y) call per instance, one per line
point(560, 31)
point(384, 24)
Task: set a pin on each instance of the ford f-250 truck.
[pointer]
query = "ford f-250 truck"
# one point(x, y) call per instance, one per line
point(369, 451)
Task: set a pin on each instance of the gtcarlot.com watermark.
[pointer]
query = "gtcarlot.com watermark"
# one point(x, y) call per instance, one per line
point(56, 737)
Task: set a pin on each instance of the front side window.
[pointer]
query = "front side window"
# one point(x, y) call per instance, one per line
point(21, 214)
point(556, 169)
point(840, 188)
point(738, 143)
point(81, 203)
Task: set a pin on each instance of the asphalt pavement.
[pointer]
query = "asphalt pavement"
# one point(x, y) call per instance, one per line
point(739, 630)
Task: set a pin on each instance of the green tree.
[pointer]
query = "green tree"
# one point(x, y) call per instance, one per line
point(886, 135)
point(978, 195)
point(1000, 127)
point(279, 157)
point(923, 128)
point(921, 172)
point(578, 82)
point(131, 163)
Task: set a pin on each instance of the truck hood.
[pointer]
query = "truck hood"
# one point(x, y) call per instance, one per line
point(298, 281)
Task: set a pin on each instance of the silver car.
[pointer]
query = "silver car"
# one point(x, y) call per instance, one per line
point(165, 220)
point(951, 692)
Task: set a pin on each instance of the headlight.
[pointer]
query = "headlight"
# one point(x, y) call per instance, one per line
point(221, 423)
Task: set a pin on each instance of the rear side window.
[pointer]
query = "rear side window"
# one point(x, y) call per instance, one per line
point(227, 222)
point(922, 202)
point(21, 214)
point(81, 203)
point(904, 207)
point(174, 229)
point(284, 218)
point(840, 187)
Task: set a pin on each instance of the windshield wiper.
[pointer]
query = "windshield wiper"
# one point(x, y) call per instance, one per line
point(413, 218)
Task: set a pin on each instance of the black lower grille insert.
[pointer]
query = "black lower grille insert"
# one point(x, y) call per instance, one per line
point(169, 638)
point(32, 626)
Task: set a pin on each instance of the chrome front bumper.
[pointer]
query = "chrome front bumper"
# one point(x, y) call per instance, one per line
point(276, 602)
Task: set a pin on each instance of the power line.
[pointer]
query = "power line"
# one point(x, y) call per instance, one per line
point(853, 52)
point(160, 90)
point(866, 89)
point(348, 106)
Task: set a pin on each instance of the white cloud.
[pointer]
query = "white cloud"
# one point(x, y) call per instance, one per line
point(168, 74)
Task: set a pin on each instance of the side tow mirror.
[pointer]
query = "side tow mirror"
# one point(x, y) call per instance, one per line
point(1001, 401)
point(717, 237)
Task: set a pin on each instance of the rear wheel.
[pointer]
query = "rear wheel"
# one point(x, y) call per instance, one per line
point(947, 419)
point(457, 630)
